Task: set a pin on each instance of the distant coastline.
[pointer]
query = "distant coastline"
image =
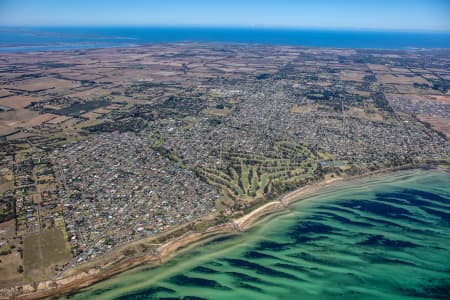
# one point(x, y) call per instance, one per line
point(31, 39)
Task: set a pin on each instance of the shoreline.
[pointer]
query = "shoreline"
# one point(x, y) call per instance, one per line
point(124, 41)
point(74, 283)
point(247, 220)
point(313, 189)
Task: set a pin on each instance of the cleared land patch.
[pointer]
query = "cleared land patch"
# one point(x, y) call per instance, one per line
point(400, 79)
point(17, 101)
point(440, 124)
point(10, 268)
point(43, 251)
point(43, 83)
point(307, 108)
point(215, 112)
point(353, 76)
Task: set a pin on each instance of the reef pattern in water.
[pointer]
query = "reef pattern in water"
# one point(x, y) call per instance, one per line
point(384, 238)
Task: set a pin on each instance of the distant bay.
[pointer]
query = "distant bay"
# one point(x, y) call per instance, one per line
point(67, 38)
point(384, 237)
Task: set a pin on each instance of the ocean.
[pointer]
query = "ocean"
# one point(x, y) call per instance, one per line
point(66, 38)
point(384, 237)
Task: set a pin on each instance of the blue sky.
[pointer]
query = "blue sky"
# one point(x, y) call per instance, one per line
point(354, 14)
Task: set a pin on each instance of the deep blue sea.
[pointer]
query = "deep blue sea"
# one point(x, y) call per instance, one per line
point(64, 38)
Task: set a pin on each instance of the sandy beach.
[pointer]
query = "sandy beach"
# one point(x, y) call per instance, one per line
point(296, 195)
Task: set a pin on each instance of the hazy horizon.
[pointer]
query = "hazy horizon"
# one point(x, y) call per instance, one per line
point(200, 26)
point(394, 15)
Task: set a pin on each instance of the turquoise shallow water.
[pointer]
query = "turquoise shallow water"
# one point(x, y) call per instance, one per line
point(378, 238)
